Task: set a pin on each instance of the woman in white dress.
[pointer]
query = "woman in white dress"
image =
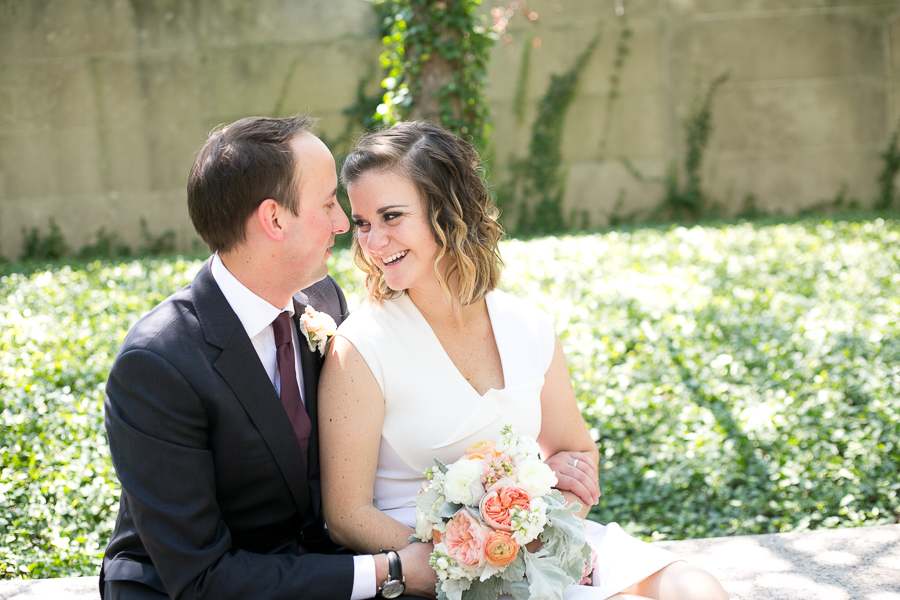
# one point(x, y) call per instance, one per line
point(439, 359)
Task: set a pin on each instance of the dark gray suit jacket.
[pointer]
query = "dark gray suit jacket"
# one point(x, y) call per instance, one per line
point(215, 495)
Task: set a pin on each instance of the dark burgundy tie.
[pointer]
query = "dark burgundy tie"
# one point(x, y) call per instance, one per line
point(290, 391)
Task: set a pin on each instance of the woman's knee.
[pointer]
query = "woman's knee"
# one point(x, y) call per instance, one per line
point(683, 581)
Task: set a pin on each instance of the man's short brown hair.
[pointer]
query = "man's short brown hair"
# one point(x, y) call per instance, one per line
point(238, 167)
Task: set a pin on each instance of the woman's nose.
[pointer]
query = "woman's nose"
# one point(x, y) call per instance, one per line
point(376, 239)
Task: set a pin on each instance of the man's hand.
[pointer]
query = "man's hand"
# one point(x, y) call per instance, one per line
point(421, 579)
point(579, 477)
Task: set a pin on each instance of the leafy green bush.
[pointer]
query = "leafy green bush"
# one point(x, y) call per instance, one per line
point(738, 379)
point(59, 331)
point(39, 247)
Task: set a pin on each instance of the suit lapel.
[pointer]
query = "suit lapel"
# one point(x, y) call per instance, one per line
point(239, 366)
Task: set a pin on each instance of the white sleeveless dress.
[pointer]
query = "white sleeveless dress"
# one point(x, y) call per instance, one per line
point(431, 411)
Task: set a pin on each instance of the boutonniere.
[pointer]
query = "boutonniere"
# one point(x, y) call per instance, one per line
point(317, 327)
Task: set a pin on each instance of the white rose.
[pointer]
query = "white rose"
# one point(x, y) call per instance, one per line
point(462, 484)
point(536, 477)
point(423, 526)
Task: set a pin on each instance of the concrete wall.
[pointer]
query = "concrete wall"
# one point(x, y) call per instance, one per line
point(104, 102)
point(813, 95)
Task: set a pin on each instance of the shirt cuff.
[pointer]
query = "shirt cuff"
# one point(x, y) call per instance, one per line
point(364, 585)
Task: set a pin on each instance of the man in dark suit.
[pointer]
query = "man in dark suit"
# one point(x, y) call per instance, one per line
point(211, 402)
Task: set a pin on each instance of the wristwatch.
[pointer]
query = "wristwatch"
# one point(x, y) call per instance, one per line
point(393, 586)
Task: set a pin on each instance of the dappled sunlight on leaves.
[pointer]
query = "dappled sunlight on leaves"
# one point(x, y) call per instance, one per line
point(739, 379)
point(59, 332)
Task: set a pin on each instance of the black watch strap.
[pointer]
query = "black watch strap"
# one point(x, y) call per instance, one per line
point(395, 567)
point(394, 586)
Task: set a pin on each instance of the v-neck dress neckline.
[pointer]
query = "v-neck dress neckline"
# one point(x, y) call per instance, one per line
point(437, 348)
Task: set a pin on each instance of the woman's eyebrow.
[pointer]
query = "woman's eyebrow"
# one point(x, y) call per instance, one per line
point(381, 210)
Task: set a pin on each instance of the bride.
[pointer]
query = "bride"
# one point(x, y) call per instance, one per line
point(439, 359)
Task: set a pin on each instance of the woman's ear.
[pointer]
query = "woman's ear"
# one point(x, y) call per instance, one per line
point(267, 215)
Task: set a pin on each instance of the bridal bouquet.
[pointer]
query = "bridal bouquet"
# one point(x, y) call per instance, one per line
point(482, 510)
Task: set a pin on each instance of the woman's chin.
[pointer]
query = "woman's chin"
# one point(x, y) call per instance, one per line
point(396, 284)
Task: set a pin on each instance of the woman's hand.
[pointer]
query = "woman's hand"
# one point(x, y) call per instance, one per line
point(575, 473)
point(421, 580)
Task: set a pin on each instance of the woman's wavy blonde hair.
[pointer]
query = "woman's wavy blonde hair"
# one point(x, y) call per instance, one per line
point(446, 172)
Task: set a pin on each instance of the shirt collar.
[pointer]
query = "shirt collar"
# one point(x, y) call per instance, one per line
point(254, 313)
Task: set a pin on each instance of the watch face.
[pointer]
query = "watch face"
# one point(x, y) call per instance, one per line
point(392, 589)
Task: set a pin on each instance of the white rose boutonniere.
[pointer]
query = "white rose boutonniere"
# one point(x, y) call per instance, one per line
point(318, 327)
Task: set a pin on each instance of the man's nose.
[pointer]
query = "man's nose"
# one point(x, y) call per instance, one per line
point(340, 223)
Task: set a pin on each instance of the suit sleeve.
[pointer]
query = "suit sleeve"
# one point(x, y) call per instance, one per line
point(158, 437)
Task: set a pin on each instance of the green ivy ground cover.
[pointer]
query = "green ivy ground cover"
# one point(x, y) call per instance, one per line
point(739, 379)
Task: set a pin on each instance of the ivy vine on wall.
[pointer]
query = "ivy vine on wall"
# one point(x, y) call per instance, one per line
point(436, 56)
point(539, 179)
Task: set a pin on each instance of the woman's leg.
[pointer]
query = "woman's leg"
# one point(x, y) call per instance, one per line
point(677, 581)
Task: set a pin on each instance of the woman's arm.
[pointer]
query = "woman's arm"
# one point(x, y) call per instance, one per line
point(351, 414)
point(564, 435)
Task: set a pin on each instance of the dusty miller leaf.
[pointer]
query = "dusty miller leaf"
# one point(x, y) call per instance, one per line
point(448, 509)
point(546, 579)
point(483, 590)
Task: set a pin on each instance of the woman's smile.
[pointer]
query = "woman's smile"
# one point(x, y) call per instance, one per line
point(393, 259)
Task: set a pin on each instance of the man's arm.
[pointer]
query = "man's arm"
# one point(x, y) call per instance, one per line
point(159, 436)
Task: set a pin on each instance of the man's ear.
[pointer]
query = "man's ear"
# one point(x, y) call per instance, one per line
point(267, 215)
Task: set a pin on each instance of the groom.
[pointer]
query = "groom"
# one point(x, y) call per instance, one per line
point(211, 402)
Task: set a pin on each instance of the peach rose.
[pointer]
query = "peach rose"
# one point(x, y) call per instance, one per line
point(501, 549)
point(497, 505)
point(482, 451)
point(465, 539)
point(480, 447)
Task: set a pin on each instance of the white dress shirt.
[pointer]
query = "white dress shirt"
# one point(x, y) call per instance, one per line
point(256, 315)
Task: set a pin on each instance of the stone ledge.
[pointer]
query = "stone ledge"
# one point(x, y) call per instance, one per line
point(66, 588)
point(830, 564)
